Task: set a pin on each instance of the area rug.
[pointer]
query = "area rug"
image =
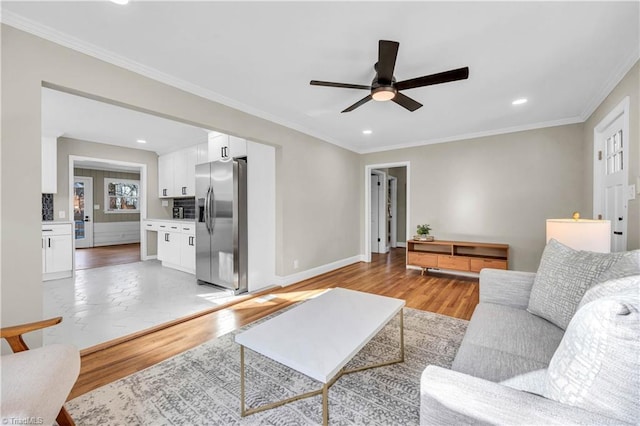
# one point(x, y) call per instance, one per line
point(202, 386)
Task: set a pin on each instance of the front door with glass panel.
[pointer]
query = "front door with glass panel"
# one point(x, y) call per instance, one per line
point(83, 211)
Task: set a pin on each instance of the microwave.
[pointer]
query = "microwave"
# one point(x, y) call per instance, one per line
point(178, 212)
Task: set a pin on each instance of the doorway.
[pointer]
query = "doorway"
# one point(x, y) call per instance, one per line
point(402, 215)
point(378, 212)
point(611, 171)
point(83, 211)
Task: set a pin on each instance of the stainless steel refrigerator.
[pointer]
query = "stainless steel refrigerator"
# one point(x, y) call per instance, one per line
point(221, 226)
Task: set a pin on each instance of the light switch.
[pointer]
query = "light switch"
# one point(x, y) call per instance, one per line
point(96, 206)
point(62, 214)
point(632, 192)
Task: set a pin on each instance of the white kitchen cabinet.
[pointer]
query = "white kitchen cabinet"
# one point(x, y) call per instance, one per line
point(57, 251)
point(49, 165)
point(176, 243)
point(221, 145)
point(176, 173)
point(188, 248)
point(165, 175)
point(203, 153)
point(169, 238)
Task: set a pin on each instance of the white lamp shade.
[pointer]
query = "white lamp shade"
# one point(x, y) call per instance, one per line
point(581, 234)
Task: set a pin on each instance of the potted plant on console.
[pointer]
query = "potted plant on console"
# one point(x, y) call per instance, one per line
point(423, 233)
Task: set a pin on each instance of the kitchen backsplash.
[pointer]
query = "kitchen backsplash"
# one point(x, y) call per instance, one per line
point(47, 207)
point(189, 206)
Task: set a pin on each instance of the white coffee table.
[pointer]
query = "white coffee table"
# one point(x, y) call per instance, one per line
point(319, 337)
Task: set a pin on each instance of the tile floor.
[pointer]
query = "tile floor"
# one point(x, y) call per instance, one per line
point(105, 303)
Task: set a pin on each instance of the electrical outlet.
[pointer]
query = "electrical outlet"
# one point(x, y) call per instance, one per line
point(165, 203)
point(96, 206)
point(62, 214)
point(295, 264)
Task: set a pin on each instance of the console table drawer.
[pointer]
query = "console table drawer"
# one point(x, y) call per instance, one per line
point(453, 262)
point(424, 260)
point(478, 264)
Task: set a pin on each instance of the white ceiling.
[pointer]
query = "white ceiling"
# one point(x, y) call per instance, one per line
point(259, 57)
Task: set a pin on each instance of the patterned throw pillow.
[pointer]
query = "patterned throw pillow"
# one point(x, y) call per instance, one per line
point(627, 286)
point(564, 275)
point(628, 264)
point(597, 364)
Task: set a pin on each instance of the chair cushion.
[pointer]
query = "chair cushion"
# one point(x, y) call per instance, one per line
point(563, 278)
point(597, 365)
point(36, 383)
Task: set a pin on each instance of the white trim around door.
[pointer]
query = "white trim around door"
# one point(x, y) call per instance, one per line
point(367, 201)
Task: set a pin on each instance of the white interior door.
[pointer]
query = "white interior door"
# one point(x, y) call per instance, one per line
point(393, 210)
point(83, 211)
point(610, 188)
point(375, 226)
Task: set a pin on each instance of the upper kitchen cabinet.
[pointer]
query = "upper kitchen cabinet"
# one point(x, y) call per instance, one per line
point(49, 165)
point(203, 153)
point(223, 146)
point(176, 173)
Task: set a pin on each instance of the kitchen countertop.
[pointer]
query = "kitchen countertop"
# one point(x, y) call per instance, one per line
point(172, 220)
point(58, 222)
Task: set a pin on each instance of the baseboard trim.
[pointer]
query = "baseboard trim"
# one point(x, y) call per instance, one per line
point(401, 244)
point(287, 280)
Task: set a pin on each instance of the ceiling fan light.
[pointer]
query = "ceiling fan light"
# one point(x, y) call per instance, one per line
point(382, 94)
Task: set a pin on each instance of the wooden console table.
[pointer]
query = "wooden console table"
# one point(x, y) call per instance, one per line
point(457, 255)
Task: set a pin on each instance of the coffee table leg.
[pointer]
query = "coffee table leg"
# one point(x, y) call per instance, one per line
point(242, 411)
point(325, 404)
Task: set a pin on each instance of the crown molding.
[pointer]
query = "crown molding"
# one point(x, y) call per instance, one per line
point(58, 37)
point(608, 87)
point(465, 136)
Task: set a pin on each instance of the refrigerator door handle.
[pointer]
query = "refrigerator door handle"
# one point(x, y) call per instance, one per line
point(212, 207)
point(207, 212)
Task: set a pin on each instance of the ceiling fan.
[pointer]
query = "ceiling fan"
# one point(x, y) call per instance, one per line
point(384, 86)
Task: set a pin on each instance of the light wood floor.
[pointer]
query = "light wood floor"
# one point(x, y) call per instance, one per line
point(95, 257)
point(385, 275)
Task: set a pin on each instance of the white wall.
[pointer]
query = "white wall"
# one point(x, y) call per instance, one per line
point(261, 215)
point(310, 206)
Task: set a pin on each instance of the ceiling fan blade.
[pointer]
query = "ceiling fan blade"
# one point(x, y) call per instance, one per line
point(387, 54)
point(406, 102)
point(340, 85)
point(359, 103)
point(428, 80)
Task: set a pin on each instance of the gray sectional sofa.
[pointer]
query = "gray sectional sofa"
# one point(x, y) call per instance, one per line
point(517, 367)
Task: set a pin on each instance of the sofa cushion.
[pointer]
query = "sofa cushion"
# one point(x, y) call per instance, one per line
point(621, 286)
point(562, 279)
point(502, 342)
point(532, 382)
point(597, 365)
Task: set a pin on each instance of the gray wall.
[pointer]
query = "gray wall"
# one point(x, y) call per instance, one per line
point(99, 216)
point(628, 86)
point(317, 213)
point(495, 189)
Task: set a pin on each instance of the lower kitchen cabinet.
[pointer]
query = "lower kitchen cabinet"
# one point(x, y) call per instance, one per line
point(57, 251)
point(176, 244)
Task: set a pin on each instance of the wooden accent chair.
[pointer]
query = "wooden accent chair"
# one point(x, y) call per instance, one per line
point(36, 383)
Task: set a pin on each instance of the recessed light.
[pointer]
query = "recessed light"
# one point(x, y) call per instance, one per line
point(519, 101)
point(367, 132)
point(120, 2)
point(141, 141)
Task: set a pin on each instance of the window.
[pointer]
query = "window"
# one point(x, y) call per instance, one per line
point(121, 195)
point(614, 150)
